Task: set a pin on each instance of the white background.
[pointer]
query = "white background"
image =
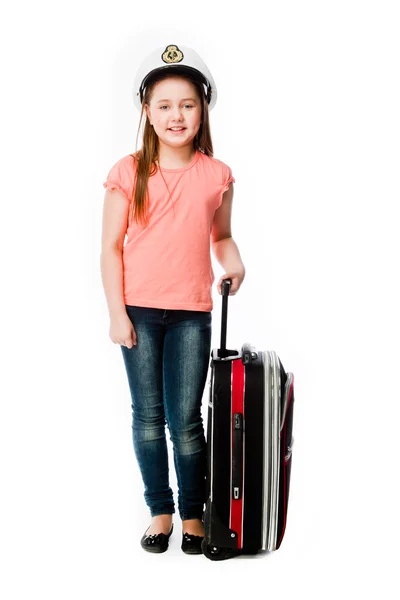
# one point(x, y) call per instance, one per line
point(307, 117)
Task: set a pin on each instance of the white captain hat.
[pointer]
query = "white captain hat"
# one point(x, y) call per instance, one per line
point(175, 59)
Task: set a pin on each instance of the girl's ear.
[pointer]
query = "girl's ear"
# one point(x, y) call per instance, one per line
point(147, 113)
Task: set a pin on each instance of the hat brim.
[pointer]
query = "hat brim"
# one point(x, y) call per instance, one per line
point(183, 70)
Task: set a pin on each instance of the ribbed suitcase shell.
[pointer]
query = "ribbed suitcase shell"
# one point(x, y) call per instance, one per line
point(249, 447)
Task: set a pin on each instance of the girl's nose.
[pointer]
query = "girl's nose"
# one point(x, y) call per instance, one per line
point(177, 114)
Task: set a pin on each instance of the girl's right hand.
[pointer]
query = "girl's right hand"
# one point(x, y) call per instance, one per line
point(122, 331)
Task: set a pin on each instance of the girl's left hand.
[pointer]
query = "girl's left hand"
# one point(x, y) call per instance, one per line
point(237, 279)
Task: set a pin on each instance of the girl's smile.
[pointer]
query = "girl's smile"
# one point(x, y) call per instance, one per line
point(177, 131)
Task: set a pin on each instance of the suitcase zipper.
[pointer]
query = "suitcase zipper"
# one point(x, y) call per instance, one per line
point(272, 422)
point(266, 451)
point(276, 448)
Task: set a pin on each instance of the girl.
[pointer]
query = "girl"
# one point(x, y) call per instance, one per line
point(173, 200)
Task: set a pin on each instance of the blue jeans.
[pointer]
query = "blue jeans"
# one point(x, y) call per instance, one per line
point(167, 372)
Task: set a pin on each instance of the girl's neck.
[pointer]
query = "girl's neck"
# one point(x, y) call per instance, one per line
point(175, 158)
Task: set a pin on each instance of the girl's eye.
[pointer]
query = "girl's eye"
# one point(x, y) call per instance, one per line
point(165, 106)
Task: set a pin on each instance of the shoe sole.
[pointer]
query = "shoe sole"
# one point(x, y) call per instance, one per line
point(155, 551)
point(192, 551)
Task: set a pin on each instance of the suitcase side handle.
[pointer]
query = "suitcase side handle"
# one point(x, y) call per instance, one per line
point(248, 353)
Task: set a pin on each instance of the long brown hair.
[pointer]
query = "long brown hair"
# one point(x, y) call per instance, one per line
point(146, 157)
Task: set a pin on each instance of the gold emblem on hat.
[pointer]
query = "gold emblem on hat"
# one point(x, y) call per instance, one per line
point(172, 54)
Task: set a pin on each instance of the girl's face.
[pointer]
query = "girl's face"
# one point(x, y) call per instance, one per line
point(175, 111)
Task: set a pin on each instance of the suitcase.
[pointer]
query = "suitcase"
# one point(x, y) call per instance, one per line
point(249, 449)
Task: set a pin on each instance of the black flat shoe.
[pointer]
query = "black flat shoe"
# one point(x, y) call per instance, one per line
point(191, 544)
point(156, 542)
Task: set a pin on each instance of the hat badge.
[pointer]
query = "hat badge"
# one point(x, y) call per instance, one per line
point(172, 54)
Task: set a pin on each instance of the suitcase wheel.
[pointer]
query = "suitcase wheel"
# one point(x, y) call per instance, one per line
point(214, 552)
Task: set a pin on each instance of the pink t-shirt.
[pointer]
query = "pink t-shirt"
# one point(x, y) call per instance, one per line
point(168, 263)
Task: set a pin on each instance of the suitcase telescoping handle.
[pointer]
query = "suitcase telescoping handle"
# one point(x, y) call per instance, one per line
point(248, 351)
point(225, 287)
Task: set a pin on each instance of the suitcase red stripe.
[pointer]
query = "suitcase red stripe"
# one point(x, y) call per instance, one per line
point(237, 408)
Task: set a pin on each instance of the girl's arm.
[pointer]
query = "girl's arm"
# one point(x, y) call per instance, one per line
point(223, 245)
point(115, 220)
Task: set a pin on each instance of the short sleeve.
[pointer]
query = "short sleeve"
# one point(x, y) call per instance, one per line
point(228, 177)
point(120, 178)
